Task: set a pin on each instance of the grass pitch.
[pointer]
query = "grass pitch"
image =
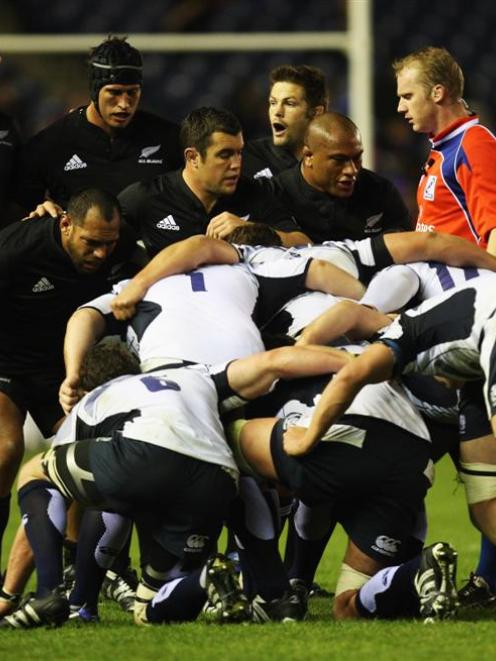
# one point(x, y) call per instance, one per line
point(472, 636)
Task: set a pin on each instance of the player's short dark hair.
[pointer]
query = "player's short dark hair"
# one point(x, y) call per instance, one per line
point(80, 203)
point(199, 125)
point(106, 361)
point(437, 67)
point(254, 234)
point(113, 62)
point(311, 79)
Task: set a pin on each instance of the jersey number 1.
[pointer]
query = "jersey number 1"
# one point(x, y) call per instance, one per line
point(197, 281)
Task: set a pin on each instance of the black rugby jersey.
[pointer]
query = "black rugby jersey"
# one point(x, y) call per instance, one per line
point(262, 158)
point(165, 210)
point(374, 207)
point(72, 154)
point(10, 143)
point(39, 290)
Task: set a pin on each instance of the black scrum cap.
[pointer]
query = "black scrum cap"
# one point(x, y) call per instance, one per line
point(114, 62)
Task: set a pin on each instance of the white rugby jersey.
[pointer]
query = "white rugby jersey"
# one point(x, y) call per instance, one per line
point(385, 401)
point(175, 409)
point(299, 312)
point(395, 286)
point(361, 259)
point(208, 315)
point(452, 335)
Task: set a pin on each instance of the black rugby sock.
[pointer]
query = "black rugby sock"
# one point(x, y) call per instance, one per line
point(44, 512)
point(101, 536)
point(390, 593)
point(257, 535)
point(303, 555)
point(179, 600)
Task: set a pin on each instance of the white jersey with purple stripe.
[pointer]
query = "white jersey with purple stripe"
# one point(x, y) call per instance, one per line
point(395, 286)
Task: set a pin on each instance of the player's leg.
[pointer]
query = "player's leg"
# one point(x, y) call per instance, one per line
point(309, 530)
point(101, 537)
point(12, 416)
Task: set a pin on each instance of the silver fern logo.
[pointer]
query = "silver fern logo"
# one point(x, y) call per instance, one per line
point(147, 152)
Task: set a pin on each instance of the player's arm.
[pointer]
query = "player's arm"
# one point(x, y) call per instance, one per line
point(223, 224)
point(323, 276)
point(354, 320)
point(491, 243)
point(46, 208)
point(296, 238)
point(392, 288)
point(85, 327)
point(373, 366)
point(179, 257)
point(407, 247)
point(253, 376)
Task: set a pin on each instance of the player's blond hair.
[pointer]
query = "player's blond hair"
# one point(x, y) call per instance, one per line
point(437, 67)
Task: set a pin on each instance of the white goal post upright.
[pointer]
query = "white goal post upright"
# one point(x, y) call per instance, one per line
point(355, 43)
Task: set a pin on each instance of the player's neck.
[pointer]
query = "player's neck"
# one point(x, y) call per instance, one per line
point(94, 117)
point(449, 115)
point(206, 198)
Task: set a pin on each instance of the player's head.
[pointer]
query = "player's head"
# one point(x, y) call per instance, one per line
point(104, 362)
point(332, 154)
point(427, 79)
point(115, 76)
point(254, 234)
point(297, 95)
point(212, 141)
point(90, 229)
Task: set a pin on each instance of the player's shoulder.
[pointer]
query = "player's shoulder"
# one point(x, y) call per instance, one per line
point(27, 236)
point(371, 183)
point(148, 188)
point(58, 130)
point(478, 137)
point(149, 121)
point(258, 146)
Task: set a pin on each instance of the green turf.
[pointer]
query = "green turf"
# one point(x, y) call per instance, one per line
point(470, 637)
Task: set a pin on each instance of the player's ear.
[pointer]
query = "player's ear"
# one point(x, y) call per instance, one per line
point(438, 93)
point(65, 223)
point(307, 156)
point(191, 156)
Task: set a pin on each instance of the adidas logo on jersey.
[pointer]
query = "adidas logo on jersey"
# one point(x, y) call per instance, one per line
point(266, 172)
point(146, 152)
point(168, 223)
point(43, 284)
point(75, 163)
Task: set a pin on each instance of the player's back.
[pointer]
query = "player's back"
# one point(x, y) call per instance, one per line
point(203, 316)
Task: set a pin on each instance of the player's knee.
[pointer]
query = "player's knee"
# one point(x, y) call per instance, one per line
point(31, 470)
point(479, 480)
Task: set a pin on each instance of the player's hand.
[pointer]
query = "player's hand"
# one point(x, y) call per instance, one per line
point(223, 224)
point(46, 208)
point(294, 441)
point(124, 304)
point(69, 393)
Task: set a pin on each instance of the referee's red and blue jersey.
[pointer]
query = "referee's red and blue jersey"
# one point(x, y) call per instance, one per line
point(457, 191)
